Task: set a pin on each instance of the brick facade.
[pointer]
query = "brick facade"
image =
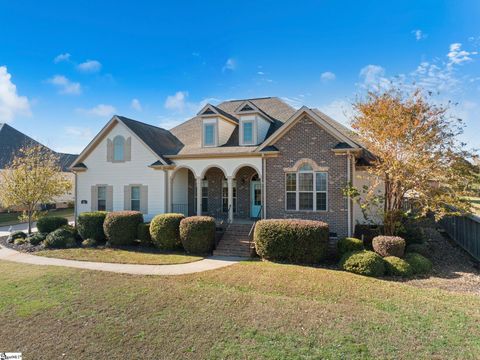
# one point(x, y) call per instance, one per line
point(308, 140)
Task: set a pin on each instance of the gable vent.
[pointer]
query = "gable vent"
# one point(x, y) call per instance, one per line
point(247, 108)
point(208, 112)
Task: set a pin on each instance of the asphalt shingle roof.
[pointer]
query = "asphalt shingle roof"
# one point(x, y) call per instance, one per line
point(12, 140)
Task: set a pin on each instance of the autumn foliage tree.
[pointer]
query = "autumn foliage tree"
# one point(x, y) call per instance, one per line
point(33, 177)
point(416, 151)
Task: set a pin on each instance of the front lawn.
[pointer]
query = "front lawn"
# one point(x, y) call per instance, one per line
point(7, 219)
point(110, 255)
point(250, 310)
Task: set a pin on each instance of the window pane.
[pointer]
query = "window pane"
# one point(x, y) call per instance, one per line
point(135, 193)
point(291, 201)
point(321, 181)
point(209, 134)
point(305, 201)
point(102, 193)
point(248, 132)
point(322, 201)
point(135, 205)
point(204, 205)
point(118, 148)
point(306, 167)
point(291, 182)
point(305, 182)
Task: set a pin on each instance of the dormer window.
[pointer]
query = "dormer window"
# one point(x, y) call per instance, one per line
point(248, 132)
point(209, 133)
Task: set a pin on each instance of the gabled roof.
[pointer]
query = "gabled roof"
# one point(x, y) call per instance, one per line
point(12, 140)
point(209, 110)
point(160, 141)
point(248, 107)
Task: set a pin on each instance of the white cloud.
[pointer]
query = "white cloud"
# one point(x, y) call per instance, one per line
point(11, 104)
point(89, 66)
point(419, 34)
point(260, 73)
point(230, 65)
point(61, 57)
point(102, 110)
point(79, 132)
point(65, 86)
point(373, 77)
point(170, 122)
point(339, 110)
point(457, 56)
point(295, 102)
point(176, 102)
point(327, 76)
point(136, 105)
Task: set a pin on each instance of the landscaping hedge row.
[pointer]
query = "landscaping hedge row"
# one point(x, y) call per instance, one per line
point(121, 227)
point(295, 241)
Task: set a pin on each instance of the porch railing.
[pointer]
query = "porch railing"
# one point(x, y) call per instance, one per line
point(255, 219)
point(180, 209)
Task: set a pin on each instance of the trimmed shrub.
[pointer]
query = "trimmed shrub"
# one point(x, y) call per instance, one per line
point(90, 225)
point(411, 231)
point(367, 233)
point(295, 241)
point(120, 227)
point(389, 246)
point(421, 249)
point(363, 262)
point(16, 235)
point(143, 234)
point(165, 231)
point(394, 266)
point(346, 245)
point(197, 234)
point(48, 224)
point(60, 238)
point(89, 243)
point(20, 241)
point(37, 238)
point(419, 263)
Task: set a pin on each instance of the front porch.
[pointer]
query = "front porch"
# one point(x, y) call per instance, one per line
point(234, 197)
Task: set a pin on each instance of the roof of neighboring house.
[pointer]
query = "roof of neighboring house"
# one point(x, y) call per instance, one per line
point(161, 141)
point(12, 140)
point(189, 132)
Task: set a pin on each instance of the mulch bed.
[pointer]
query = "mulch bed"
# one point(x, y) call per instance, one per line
point(22, 247)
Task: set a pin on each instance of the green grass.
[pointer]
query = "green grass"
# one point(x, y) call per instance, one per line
point(120, 256)
point(7, 219)
point(255, 310)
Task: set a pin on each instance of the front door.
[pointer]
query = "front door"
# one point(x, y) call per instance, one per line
point(255, 198)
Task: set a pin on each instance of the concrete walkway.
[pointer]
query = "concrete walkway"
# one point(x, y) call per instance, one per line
point(212, 263)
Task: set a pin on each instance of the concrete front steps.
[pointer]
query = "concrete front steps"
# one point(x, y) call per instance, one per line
point(235, 241)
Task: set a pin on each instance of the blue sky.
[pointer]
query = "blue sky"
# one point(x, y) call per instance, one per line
point(66, 67)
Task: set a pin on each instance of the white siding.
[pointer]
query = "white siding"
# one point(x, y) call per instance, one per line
point(228, 165)
point(263, 126)
point(118, 175)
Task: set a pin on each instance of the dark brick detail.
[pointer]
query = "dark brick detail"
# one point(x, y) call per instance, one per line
point(244, 175)
point(308, 140)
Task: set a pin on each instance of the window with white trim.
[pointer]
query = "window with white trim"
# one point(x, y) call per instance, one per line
point(135, 198)
point(119, 148)
point(306, 190)
point(225, 195)
point(101, 198)
point(247, 132)
point(204, 195)
point(209, 134)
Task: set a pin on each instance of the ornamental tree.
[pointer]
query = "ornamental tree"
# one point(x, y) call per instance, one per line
point(32, 178)
point(416, 154)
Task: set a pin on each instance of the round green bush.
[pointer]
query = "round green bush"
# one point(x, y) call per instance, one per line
point(16, 235)
point(60, 238)
point(121, 227)
point(165, 231)
point(197, 234)
point(143, 234)
point(48, 224)
point(363, 262)
point(347, 244)
point(394, 266)
point(420, 264)
point(421, 249)
point(294, 241)
point(37, 238)
point(389, 245)
point(90, 225)
point(89, 243)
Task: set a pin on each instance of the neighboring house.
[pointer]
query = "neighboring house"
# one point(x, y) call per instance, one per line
point(242, 159)
point(12, 140)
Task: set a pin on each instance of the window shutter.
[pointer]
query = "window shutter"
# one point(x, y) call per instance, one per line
point(94, 200)
point(109, 150)
point(127, 204)
point(128, 149)
point(144, 199)
point(109, 206)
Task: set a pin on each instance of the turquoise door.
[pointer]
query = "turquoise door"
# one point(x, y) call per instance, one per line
point(255, 198)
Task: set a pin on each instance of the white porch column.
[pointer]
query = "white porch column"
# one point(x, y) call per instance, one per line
point(230, 198)
point(170, 191)
point(199, 196)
